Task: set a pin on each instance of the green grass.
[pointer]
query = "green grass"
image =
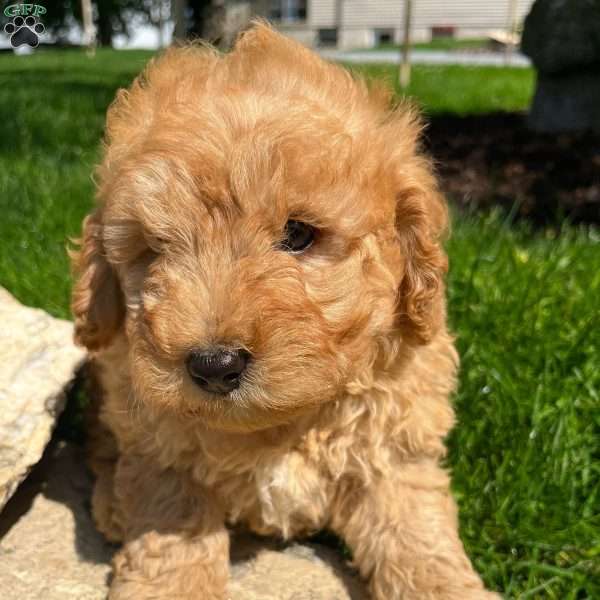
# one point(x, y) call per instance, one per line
point(461, 90)
point(442, 44)
point(52, 108)
point(526, 453)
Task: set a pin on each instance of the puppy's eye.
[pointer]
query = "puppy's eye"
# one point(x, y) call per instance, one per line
point(297, 237)
point(155, 243)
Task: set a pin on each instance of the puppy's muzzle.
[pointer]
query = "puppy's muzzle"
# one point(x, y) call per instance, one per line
point(217, 370)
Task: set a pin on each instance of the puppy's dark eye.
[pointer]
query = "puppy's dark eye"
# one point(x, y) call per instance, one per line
point(297, 236)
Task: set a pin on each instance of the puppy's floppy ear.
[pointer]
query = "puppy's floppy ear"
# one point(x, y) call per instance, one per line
point(421, 222)
point(97, 300)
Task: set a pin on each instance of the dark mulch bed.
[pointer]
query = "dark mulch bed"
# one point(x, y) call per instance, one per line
point(490, 160)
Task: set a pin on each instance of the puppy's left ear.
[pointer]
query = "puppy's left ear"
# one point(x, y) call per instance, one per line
point(421, 223)
point(97, 300)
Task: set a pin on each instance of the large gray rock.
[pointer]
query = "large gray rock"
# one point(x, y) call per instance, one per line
point(50, 549)
point(562, 35)
point(566, 102)
point(562, 38)
point(37, 361)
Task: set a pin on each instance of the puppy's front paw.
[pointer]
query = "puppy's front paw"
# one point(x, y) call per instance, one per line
point(164, 567)
point(135, 590)
point(453, 594)
point(421, 582)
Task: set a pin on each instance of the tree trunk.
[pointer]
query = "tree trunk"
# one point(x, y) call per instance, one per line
point(104, 29)
point(89, 34)
point(178, 13)
point(207, 20)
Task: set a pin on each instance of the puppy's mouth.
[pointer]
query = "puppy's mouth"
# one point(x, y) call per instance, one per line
point(225, 387)
point(251, 405)
point(233, 412)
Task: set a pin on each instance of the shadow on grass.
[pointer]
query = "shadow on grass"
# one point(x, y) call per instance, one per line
point(493, 159)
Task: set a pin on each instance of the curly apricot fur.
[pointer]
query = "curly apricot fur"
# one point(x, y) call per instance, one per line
point(340, 419)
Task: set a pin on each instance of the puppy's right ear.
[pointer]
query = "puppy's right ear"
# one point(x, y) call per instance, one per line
point(97, 300)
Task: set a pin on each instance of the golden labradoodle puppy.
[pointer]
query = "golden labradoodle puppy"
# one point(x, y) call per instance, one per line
point(261, 285)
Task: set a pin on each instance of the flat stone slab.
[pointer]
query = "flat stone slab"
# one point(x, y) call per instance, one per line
point(37, 360)
point(296, 572)
point(50, 549)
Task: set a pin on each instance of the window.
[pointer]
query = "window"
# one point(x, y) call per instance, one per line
point(328, 37)
point(383, 36)
point(443, 32)
point(288, 11)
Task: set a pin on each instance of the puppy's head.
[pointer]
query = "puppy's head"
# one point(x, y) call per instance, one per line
point(266, 234)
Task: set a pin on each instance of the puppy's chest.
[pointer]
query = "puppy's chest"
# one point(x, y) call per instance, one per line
point(285, 493)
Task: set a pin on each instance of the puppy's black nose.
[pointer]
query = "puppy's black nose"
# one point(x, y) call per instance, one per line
point(217, 370)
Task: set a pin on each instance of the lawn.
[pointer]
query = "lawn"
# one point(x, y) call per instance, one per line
point(461, 90)
point(442, 44)
point(526, 453)
point(524, 305)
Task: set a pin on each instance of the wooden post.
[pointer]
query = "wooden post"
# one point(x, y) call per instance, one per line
point(178, 14)
point(511, 30)
point(404, 75)
point(339, 22)
point(89, 33)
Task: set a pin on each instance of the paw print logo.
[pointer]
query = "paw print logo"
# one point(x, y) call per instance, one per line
point(24, 31)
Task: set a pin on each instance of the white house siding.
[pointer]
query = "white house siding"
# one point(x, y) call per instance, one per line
point(359, 18)
point(321, 13)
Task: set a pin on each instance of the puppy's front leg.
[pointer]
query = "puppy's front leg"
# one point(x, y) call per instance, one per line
point(176, 545)
point(403, 532)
